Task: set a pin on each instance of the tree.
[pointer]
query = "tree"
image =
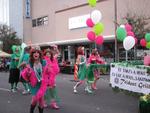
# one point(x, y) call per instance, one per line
point(140, 24)
point(8, 38)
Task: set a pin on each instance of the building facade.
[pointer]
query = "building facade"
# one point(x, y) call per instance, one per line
point(47, 22)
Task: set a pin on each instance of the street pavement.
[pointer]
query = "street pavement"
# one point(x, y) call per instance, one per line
point(103, 100)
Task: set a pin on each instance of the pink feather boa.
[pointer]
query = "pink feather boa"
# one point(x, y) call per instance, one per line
point(50, 71)
point(29, 75)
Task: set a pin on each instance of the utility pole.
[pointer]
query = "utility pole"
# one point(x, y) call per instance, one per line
point(116, 45)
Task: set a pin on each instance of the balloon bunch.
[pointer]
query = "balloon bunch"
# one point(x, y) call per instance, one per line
point(94, 22)
point(145, 42)
point(124, 33)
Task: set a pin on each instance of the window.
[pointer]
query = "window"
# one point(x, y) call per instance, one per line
point(45, 20)
point(34, 23)
point(40, 21)
point(66, 54)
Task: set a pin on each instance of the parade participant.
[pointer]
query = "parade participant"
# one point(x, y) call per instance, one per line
point(81, 62)
point(55, 51)
point(14, 71)
point(93, 73)
point(99, 60)
point(25, 61)
point(33, 73)
point(50, 76)
point(90, 72)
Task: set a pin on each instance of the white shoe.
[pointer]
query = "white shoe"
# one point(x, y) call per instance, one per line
point(25, 92)
point(74, 90)
point(28, 90)
point(88, 90)
point(13, 90)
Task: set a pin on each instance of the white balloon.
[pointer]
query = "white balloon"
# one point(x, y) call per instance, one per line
point(128, 42)
point(122, 26)
point(96, 16)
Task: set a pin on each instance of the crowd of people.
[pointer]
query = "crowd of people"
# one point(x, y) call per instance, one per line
point(37, 71)
point(4, 64)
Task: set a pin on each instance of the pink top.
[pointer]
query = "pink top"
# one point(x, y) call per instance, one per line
point(91, 59)
point(98, 59)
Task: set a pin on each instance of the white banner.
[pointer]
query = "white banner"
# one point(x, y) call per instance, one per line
point(130, 78)
point(78, 21)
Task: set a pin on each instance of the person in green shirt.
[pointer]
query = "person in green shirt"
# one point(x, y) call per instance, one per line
point(14, 71)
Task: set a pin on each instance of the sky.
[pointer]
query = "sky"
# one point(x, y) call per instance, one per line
point(4, 12)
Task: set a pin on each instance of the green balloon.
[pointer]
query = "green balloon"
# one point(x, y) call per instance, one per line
point(98, 28)
point(148, 45)
point(121, 33)
point(147, 37)
point(92, 3)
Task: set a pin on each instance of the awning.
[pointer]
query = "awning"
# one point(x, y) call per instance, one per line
point(74, 41)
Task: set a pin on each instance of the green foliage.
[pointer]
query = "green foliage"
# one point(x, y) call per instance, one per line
point(8, 37)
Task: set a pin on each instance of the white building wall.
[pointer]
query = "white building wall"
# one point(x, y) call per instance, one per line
point(4, 12)
point(16, 16)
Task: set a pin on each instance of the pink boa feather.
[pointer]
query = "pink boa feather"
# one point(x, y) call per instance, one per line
point(29, 75)
point(50, 71)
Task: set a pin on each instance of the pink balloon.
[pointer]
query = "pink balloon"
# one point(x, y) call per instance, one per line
point(89, 22)
point(130, 33)
point(136, 40)
point(91, 36)
point(128, 27)
point(99, 40)
point(143, 42)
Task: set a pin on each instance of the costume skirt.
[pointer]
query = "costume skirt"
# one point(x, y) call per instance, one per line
point(14, 75)
point(82, 72)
